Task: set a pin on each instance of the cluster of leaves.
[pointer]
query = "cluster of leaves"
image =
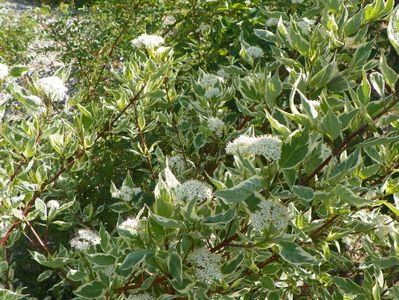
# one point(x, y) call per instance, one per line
point(137, 126)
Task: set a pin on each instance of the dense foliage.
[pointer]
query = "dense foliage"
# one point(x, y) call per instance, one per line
point(200, 150)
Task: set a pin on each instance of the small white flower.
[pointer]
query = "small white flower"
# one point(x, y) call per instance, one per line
point(168, 20)
point(126, 193)
point(212, 92)
point(53, 87)
point(3, 71)
point(239, 145)
point(176, 163)
point(255, 51)
point(216, 126)
point(209, 80)
point(148, 41)
point(271, 21)
point(131, 224)
point(271, 215)
point(85, 239)
point(266, 145)
point(192, 189)
point(207, 265)
point(203, 27)
point(142, 296)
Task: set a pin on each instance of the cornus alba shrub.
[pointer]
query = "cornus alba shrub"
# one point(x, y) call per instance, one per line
point(266, 169)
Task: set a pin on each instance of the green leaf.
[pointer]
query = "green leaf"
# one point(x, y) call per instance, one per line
point(280, 128)
point(354, 23)
point(223, 218)
point(166, 222)
point(18, 71)
point(175, 266)
point(294, 254)
point(376, 141)
point(294, 150)
point(135, 257)
point(120, 207)
point(378, 83)
point(331, 125)
point(391, 207)
point(350, 197)
point(91, 290)
point(57, 142)
point(393, 30)
point(386, 262)
point(298, 42)
point(273, 89)
point(352, 161)
point(323, 77)
point(389, 74)
point(10, 295)
point(348, 286)
point(101, 259)
point(241, 191)
point(199, 141)
point(361, 56)
point(233, 264)
point(265, 35)
point(303, 192)
point(45, 275)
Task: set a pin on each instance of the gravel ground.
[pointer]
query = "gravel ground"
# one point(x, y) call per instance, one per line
point(16, 7)
point(42, 60)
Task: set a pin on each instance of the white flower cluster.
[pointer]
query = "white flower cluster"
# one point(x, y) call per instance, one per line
point(131, 224)
point(207, 264)
point(271, 214)
point(176, 163)
point(148, 41)
point(203, 28)
point(126, 193)
point(142, 296)
point(168, 20)
point(53, 87)
point(216, 126)
point(212, 92)
point(3, 71)
point(209, 80)
point(255, 51)
point(85, 239)
point(192, 189)
point(266, 145)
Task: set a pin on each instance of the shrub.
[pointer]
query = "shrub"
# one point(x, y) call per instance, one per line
point(254, 156)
